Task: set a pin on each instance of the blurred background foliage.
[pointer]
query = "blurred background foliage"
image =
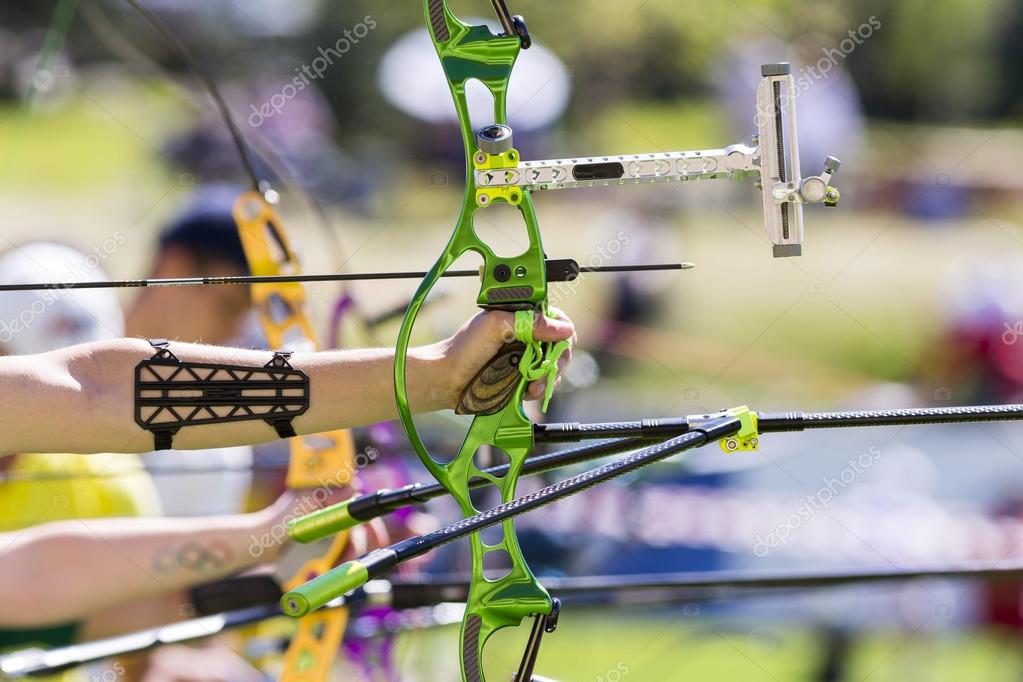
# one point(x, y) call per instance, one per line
point(936, 60)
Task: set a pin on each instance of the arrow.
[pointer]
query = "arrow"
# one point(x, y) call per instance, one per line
point(414, 593)
point(563, 270)
point(628, 436)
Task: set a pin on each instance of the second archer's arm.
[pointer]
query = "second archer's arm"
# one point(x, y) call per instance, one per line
point(83, 399)
point(51, 569)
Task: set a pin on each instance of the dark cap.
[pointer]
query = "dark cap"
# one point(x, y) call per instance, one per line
point(207, 229)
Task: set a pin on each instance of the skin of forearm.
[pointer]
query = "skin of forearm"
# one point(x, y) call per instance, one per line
point(137, 615)
point(135, 558)
point(87, 392)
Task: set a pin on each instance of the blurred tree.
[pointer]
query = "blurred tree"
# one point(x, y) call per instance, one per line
point(932, 60)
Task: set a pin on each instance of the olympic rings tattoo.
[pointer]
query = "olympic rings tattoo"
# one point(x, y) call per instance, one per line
point(193, 556)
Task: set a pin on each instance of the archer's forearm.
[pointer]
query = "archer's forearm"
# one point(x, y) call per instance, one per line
point(50, 571)
point(81, 399)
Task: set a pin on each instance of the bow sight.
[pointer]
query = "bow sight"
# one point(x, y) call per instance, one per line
point(773, 161)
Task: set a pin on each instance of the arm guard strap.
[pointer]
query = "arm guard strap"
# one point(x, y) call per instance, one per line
point(171, 394)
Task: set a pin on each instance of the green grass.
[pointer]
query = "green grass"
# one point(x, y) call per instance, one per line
point(106, 133)
point(638, 127)
point(591, 647)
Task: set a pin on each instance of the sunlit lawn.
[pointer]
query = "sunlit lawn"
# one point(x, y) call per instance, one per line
point(607, 647)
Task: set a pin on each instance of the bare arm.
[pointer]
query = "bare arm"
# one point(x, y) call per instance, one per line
point(50, 572)
point(81, 399)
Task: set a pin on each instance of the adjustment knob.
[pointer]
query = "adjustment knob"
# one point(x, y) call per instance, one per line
point(495, 139)
point(818, 189)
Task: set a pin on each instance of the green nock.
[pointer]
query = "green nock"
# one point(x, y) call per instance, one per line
point(322, 523)
point(318, 593)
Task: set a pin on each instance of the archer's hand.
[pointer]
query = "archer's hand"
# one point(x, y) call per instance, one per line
point(480, 339)
point(272, 522)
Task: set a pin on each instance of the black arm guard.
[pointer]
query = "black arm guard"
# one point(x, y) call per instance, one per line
point(171, 394)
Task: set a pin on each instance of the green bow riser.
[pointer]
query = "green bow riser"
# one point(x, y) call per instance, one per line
point(518, 283)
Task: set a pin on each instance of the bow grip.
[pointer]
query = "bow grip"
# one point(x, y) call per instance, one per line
point(494, 386)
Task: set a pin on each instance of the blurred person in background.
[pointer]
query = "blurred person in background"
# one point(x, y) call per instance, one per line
point(38, 488)
point(202, 240)
point(827, 98)
point(55, 492)
point(45, 489)
point(979, 359)
point(979, 354)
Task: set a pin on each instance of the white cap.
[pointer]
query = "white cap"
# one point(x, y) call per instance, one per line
point(41, 321)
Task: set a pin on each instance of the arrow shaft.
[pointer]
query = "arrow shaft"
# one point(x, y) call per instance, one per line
point(414, 594)
point(628, 436)
point(250, 280)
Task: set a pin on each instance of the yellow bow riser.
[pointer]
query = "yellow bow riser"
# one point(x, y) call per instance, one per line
point(323, 461)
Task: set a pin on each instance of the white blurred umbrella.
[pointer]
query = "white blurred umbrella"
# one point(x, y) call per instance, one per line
point(411, 78)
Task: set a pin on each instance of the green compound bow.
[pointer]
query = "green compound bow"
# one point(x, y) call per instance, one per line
point(495, 173)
